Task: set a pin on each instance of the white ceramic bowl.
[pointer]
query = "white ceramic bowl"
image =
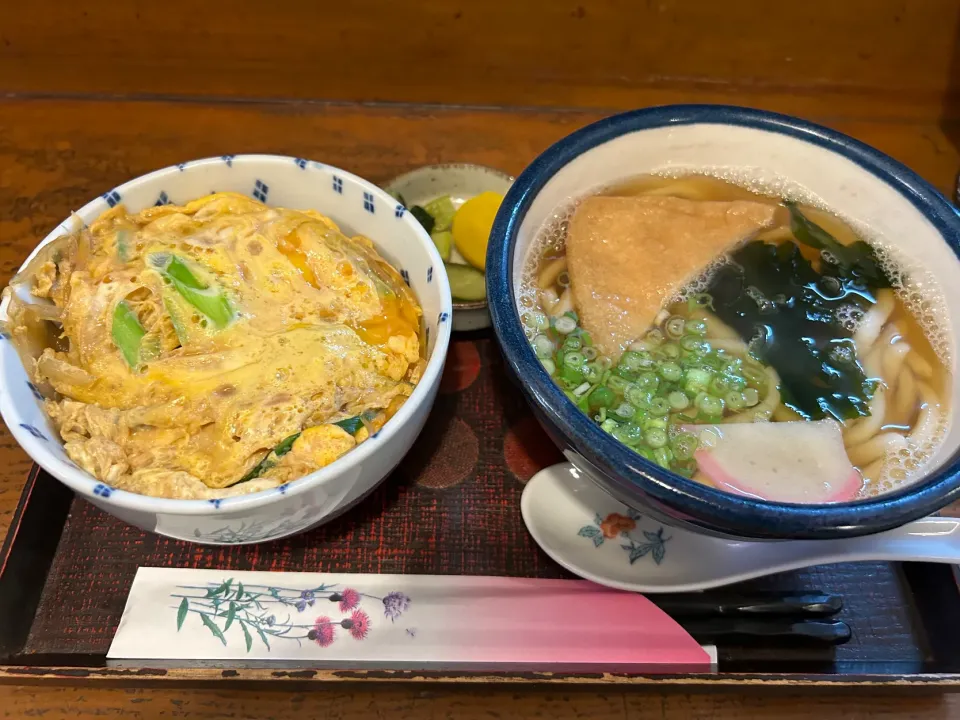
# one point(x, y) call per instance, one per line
point(359, 208)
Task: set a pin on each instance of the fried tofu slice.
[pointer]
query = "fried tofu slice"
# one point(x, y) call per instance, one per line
point(627, 256)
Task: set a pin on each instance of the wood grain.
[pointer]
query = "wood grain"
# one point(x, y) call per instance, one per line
point(887, 58)
point(352, 703)
point(57, 154)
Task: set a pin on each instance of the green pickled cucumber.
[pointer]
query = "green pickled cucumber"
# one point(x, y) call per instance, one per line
point(466, 282)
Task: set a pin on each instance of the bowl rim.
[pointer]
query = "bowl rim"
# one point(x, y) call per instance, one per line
point(461, 305)
point(81, 482)
point(457, 166)
point(627, 473)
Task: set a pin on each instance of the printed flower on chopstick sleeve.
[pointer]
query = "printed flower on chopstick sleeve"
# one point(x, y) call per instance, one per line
point(348, 599)
point(226, 608)
point(307, 597)
point(358, 624)
point(395, 604)
point(322, 632)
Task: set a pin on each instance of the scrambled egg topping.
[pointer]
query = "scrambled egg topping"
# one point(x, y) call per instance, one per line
point(217, 348)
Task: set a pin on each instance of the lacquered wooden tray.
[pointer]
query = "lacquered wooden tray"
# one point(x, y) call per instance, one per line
point(451, 507)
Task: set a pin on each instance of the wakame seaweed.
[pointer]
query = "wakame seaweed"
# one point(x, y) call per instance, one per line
point(855, 262)
point(788, 313)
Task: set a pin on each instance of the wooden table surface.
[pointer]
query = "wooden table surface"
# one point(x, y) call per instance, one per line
point(56, 154)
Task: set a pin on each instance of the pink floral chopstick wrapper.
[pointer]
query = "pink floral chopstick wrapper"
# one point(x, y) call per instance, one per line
point(399, 621)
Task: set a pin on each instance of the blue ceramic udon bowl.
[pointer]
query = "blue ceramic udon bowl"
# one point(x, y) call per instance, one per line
point(872, 191)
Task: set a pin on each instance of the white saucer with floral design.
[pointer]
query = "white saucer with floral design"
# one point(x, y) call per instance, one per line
point(600, 539)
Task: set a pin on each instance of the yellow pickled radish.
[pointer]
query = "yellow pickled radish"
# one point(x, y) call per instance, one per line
point(472, 225)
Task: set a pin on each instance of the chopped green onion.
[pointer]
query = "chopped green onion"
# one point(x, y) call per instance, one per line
point(210, 301)
point(177, 270)
point(572, 343)
point(574, 360)
point(678, 401)
point(670, 371)
point(659, 407)
point(351, 425)
point(711, 405)
point(697, 380)
point(734, 400)
point(684, 446)
point(571, 376)
point(592, 372)
point(601, 398)
point(691, 343)
point(654, 337)
point(663, 456)
point(127, 333)
point(720, 385)
point(543, 346)
point(751, 397)
point(582, 389)
point(617, 384)
point(213, 304)
point(674, 326)
point(565, 325)
point(589, 353)
point(609, 425)
point(642, 346)
point(669, 350)
point(286, 445)
point(655, 438)
point(636, 395)
point(536, 321)
point(695, 327)
point(549, 365)
point(625, 411)
point(282, 448)
point(628, 433)
point(630, 360)
point(648, 381)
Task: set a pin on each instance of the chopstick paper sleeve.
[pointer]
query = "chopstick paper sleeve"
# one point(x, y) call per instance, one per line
point(399, 621)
